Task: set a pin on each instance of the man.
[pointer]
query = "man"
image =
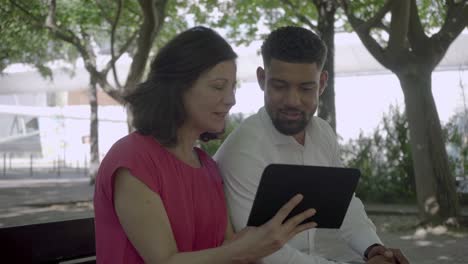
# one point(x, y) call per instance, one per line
point(286, 131)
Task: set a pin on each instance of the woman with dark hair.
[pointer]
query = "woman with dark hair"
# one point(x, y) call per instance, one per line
point(159, 199)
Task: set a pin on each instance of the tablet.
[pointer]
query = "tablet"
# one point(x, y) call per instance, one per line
point(327, 189)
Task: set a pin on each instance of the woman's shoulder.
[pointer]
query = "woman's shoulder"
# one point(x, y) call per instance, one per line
point(204, 156)
point(134, 143)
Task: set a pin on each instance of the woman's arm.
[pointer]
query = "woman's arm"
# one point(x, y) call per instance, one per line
point(230, 234)
point(144, 219)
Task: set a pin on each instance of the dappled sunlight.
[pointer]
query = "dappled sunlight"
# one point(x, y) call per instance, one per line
point(431, 205)
point(423, 243)
point(422, 233)
point(444, 258)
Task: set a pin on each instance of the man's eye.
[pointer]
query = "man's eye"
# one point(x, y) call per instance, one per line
point(218, 87)
point(278, 86)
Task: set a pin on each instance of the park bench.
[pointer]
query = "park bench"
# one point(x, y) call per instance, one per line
point(54, 242)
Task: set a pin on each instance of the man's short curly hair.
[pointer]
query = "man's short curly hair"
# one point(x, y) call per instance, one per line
point(295, 45)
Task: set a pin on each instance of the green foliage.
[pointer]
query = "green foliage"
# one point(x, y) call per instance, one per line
point(244, 18)
point(212, 146)
point(25, 39)
point(456, 136)
point(22, 41)
point(384, 160)
point(174, 22)
point(385, 157)
point(431, 13)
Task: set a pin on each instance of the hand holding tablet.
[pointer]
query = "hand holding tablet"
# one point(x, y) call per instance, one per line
point(258, 242)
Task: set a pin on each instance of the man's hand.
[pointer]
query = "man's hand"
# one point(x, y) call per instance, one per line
point(393, 255)
point(379, 259)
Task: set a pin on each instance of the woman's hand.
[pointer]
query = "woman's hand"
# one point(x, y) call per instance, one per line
point(254, 243)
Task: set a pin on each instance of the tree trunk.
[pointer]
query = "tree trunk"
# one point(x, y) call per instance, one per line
point(94, 135)
point(435, 186)
point(130, 121)
point(326, 27)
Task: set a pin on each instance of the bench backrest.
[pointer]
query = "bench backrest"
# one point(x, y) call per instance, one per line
point(49, 242)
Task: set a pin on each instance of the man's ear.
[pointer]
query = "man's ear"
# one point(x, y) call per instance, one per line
point(261, 78)
point(323, 81)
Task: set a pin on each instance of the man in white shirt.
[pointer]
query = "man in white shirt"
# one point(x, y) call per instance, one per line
point(286, 131)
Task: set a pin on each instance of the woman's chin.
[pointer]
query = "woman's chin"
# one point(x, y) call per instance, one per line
point(219, 129)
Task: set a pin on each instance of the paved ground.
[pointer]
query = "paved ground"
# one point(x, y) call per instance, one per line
point(29, 201)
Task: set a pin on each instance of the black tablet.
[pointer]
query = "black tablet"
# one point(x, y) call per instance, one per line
point(327, 189)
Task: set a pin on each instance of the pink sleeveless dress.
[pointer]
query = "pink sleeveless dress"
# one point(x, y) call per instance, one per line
point(193, 198)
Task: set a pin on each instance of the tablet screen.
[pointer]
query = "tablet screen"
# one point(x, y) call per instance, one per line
point(327, 189)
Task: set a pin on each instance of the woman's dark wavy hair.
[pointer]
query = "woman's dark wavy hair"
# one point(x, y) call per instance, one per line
point(156, 104)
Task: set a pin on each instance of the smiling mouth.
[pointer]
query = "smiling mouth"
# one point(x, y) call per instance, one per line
point(221, 114)
point(292, 115)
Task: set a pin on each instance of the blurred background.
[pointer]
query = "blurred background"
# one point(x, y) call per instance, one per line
point(396, 99)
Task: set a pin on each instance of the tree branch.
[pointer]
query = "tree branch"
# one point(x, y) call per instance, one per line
point(114, 27)
point(375, 21)
point(24, 10)
point(374, 48)
point(103, 12)
point(50, 19)
point(153, 18)
point(383, 27)
point(63, 34)
point(455, 21)
point(300, 16)
point(416, 36)
point(377, 18)
point(363, 32)
point(399, 25)
point(108, 89)
point(121, 51)
point(70, 37)
point(50, 24)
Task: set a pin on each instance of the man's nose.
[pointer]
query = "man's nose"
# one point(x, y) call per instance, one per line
point(293, 98)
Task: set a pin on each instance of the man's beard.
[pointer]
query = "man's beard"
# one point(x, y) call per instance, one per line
point(290, 127)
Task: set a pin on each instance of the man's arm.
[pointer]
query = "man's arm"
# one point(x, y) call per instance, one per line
point(357, 229)
point(239, 170)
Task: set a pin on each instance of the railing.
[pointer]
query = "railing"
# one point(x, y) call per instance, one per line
point(30, 165)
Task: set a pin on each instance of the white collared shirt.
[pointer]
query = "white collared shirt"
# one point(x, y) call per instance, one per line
point(254, 145)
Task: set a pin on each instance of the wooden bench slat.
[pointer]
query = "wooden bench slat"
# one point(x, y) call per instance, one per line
point(49, 242)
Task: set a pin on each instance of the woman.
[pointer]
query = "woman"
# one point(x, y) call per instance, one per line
point(158, 198)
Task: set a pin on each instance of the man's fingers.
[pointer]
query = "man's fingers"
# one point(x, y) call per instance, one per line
point(400, 256)
point(388, 254)
point(380, 250)
point(287, 208)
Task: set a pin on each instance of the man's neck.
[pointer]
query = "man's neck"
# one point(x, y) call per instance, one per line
point(300, 137)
